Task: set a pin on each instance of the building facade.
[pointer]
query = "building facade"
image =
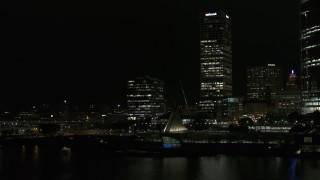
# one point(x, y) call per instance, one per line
point(145, 98)
point(215, 60)
point(263, 82)
point(289, 100)
point(310, 55)
point(232, 107)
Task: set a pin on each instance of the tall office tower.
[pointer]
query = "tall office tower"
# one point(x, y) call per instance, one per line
point(310, 55)
point(263, 82)
point(215, 60)
point(145, 98)
point(289, 100)
point(291, 83)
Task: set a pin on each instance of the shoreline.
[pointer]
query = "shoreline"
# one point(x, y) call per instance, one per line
point(128, 146)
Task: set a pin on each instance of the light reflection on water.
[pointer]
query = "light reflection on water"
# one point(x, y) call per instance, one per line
point(33, 162)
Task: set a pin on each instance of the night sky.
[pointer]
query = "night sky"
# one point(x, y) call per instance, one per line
point(86, 52)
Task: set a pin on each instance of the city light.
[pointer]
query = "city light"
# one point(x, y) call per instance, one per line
point(210, 14)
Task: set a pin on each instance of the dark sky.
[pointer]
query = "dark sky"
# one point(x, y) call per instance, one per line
point(86, 52)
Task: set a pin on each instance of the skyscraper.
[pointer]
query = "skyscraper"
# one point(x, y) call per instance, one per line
point(263, 82)
point(145, 98)
point(310, 55)
point(215, 60)
point(289, 100)
point(291, 83)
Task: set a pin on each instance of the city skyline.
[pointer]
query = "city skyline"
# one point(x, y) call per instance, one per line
point(87, 53)
point(160, 89)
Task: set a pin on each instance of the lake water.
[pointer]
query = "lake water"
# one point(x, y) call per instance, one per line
point(39, 163)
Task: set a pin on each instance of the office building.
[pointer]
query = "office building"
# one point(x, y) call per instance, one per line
point(215, 60)
point(145, 98)
point(232, 107)
point(289, 99)
point(263, 82)
point(310, 55)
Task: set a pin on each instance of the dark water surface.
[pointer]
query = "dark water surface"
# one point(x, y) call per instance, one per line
point(61, 164)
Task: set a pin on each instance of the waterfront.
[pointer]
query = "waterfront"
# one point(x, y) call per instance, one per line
point(33, 162)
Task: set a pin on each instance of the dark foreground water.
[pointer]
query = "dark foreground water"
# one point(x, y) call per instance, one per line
point(37, 163)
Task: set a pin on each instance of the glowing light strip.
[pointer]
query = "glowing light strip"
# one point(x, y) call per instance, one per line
point(210, 14)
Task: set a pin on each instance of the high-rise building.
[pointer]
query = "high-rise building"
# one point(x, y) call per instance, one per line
point(289, 100)
point(215, 60)
point(145, 98)
point(291, 83)
point(310, 55)
point(263, 82)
